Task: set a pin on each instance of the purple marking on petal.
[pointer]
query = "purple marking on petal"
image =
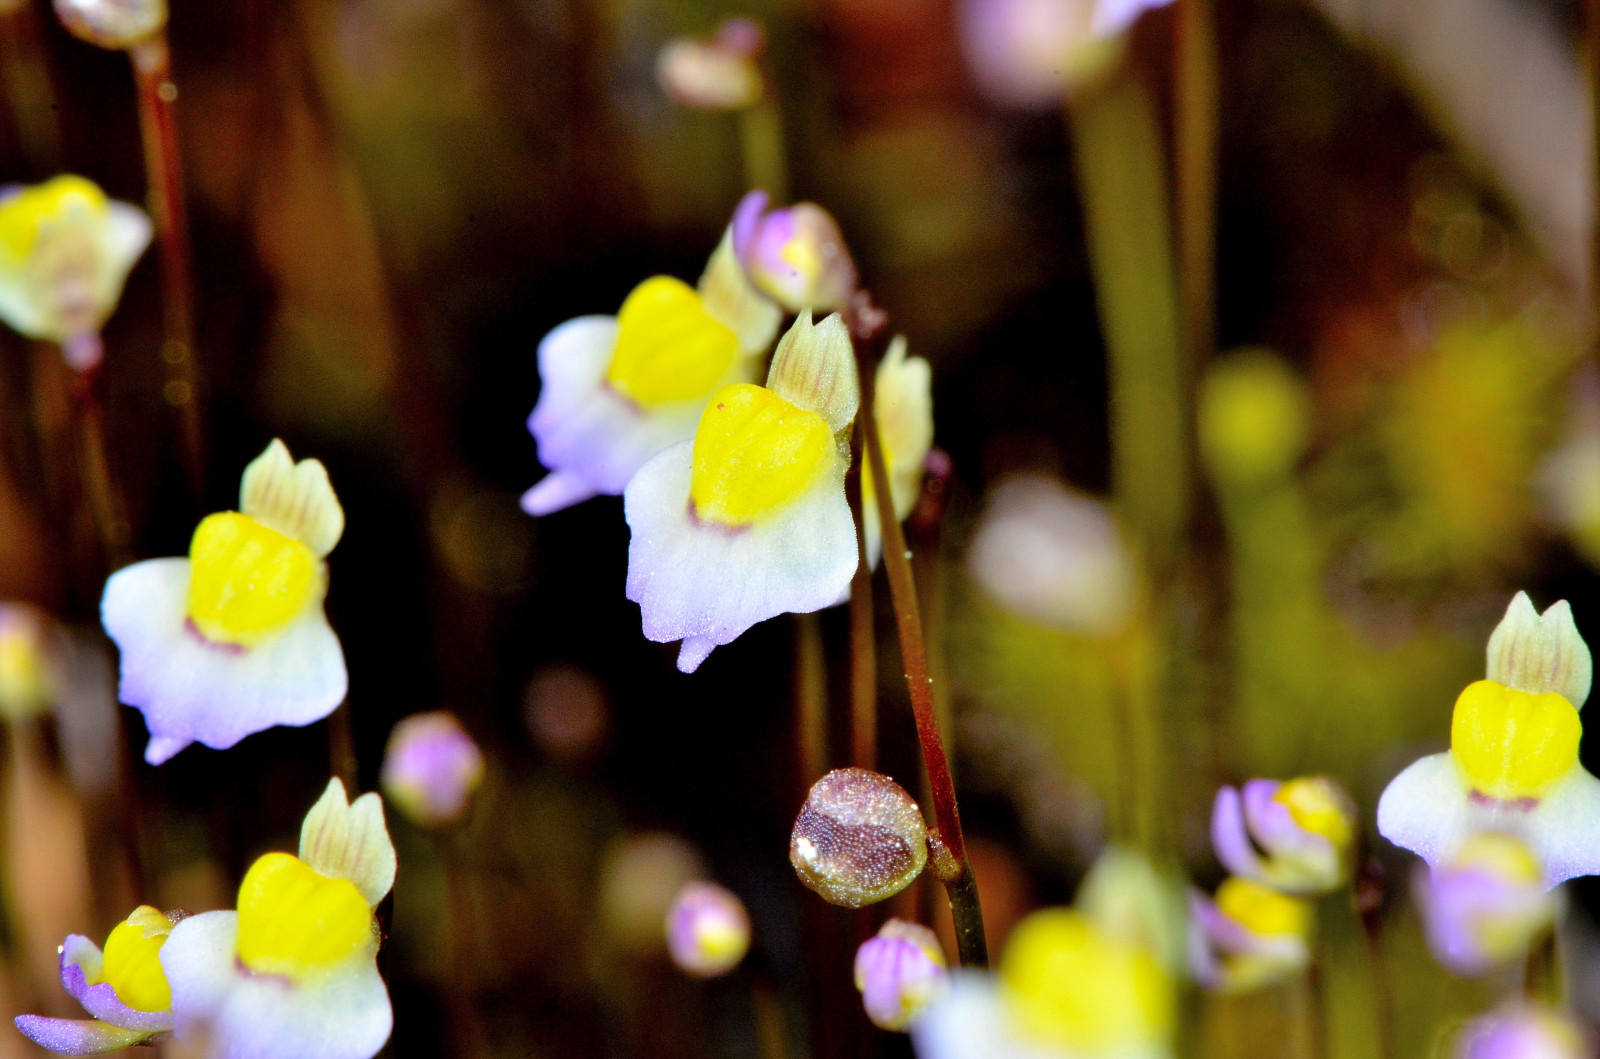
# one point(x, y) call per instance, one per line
point(746, 222)
point(77, 1036)
point(101, 1001)
point(1270, 821)
point(1228, 835)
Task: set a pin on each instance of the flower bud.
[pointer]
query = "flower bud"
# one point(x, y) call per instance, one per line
point(717, 74)
point(27, 684)
point(859, 838)
point(1255, 419)
point(114, 24)
point(1029, 53)
point(1521, 1032)
point(1483, 907)
point(1294, 837)
point(1540, 653)
point(899, 973)
point(708, 932)
point(796, 256)
point(1054, 557)
point(1249, 937)
point(431, 768)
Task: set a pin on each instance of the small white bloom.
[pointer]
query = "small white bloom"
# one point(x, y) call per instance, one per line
point(902, 399)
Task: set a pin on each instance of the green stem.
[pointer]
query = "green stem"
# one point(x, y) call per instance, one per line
point(1195, 115)
point(761, 145)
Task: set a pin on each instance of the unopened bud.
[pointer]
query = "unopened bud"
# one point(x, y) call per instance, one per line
point(717, 74)
point(114, 24)
point(1521, 1032)
point(1483, 907)
point(1540, 653)
point(899, 973)
point(796, 255)
point(431, 768)
point(859, 838)
point(708, 932)
point(1255, 419)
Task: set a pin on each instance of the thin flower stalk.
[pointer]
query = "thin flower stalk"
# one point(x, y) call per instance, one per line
point(811, 699)
point(1195, 168)
point(863, 642)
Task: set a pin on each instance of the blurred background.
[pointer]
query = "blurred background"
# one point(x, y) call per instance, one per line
point(1394, 424)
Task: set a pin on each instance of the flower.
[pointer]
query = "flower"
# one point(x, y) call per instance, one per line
point(1067, 989)
point(232, 639)
point(293, 973)
point(28, 676)
point(717, 74)
point(1481, 908)
point(65, 251)
point(113, 24)
point(616, 390)
point(1028, 53)
point(1521, 1031)
point(1054, 556)
point(902, 400)
point(1513, 764)
point(431, 768)
point(1248, 937)
point(708, 932)
point(123, 988)
point(1303, 830)
point(899, 973)
point(749, 519)
point(796, 255)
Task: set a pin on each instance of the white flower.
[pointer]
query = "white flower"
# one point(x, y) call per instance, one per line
point(749, 519)
point(233, 639)
point(293, 973)
point(902, 399)
point(616, 390)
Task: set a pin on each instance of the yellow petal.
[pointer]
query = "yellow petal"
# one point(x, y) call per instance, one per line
point(1512, 744)
point(248, 581)
point(755, 452)
point(296, 922)
point(668, 347)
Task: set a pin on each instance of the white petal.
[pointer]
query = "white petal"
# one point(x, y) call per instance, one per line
point(729, 296)
point(903, 401)
point(21, 307)
point(344, 1015)
point(707, 584)
point(1565, 829)
point(189, 688)
point(1427, 808)
point(555, 491)
point(814, 367)
point(296, 499)
point(585, 429)
point(123, 236)
point(349, 841)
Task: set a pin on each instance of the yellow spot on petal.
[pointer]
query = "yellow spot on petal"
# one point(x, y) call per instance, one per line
point(1316, 805)
point(1263, 910)
point(27, 213)
point(1071, 986)
point(132, 963)
point(1512, 744)
point(754, 452)
point(1501, 855)
point(247, 581)
point(295, 922)
point(668, 347)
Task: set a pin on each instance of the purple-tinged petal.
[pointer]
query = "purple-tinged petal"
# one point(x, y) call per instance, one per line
point(1229, 838)
point(1427, 808)
point(1270, 821)
point(77, 1036)
point(1564, 830)
point(555, 491)
point(101, 1001)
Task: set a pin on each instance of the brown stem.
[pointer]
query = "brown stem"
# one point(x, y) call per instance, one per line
point(863, 644)
point(342, 747)
point(1367, 901)
point(810, 699)
point(158, 127)
point(949, 857)
point(1591, 42)
point(1195, 150)
point(94, 471)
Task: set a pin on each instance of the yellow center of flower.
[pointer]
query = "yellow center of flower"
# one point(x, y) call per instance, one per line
point(25, 214)
point(1513, 744)
point(753, 452)
point(668, 347)
point(132, 963)
point(1316, 807)
point(1263, 910)
point(1501, 855)
point(296, 922)
point(247, 581)
point(1070, 985)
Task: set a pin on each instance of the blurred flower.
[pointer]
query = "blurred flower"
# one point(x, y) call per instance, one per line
point(722, 73)
point(123, 988)
point(902, 399)
point(114, 24)
point(1569, 477)
point(749, 519)
point(1066, 990)
point(233, 640)
point(1248, 937)
point(1029, 53)
point(27, 677)
point(293, 973)
point(1483, 907)
point(1128, 899)
point(1053, 556)
point(795, 255)
point(431, 768)
point(859, 838)
point(1294, 837)
point(1513, 763)
point(65, 251)
point(1521, 1031)
point(1254, 419)
point(640, 877)
point(617, 390)
point(899, 973)
point(708, 932)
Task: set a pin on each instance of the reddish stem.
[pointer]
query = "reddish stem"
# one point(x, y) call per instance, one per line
point(863, 643)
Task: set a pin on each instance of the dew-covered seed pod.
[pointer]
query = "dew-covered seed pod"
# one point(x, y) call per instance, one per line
point(859, 838)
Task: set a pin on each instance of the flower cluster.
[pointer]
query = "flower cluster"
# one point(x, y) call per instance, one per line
point(291, 974)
